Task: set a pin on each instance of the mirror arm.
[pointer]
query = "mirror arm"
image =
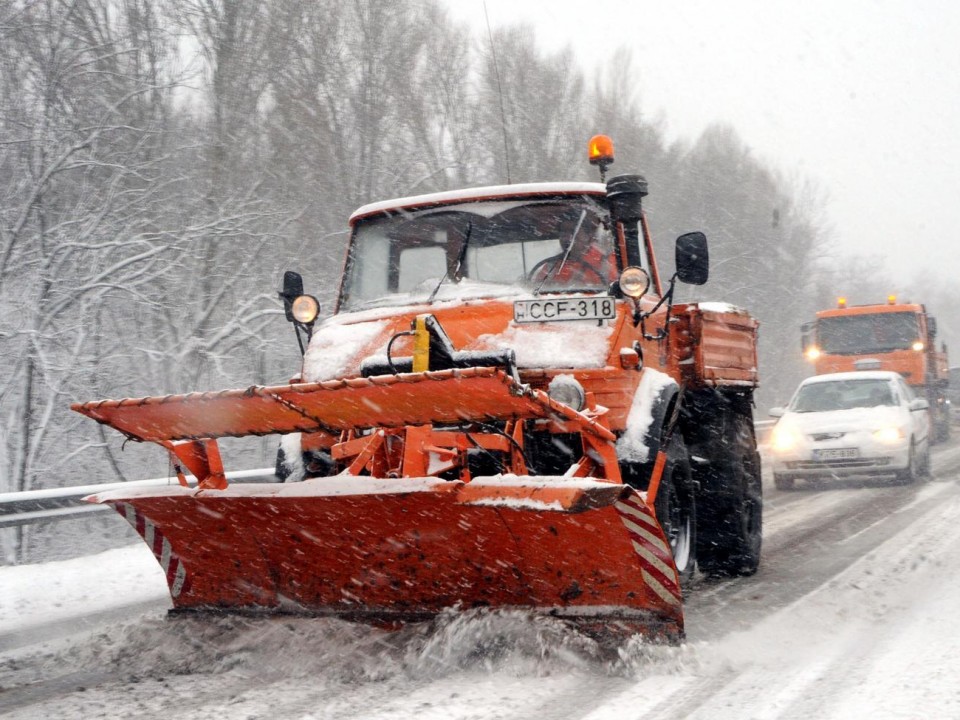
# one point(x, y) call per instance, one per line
point(640, 317)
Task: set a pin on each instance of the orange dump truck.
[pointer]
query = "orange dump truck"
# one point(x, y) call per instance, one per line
point(476, 426)
point(896, 336)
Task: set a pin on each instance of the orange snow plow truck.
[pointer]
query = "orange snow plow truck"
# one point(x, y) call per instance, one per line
point(896, 336)
point(506, 410)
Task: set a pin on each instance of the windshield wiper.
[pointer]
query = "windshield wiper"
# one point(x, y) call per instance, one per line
point(460, 258)
point(559, 266)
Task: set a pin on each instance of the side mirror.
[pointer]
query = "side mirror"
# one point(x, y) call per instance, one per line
point(932, 326)
point(692, 258)
point(919, 404)
point(292, 289)
point(777, 412)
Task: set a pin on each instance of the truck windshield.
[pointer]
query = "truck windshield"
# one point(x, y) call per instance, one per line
point(875, 333)
point(512, 248)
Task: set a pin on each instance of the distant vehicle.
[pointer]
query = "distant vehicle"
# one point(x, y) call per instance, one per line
point(893, 336)
point(846, 424)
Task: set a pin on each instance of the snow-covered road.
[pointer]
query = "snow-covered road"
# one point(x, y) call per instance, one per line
point(853, 614)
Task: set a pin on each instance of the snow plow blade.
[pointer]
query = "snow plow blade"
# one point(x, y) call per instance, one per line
point(388, 551)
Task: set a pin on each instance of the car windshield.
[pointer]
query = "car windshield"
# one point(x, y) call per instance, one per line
point(856, 334)
point(477, 249)
point(842, 395)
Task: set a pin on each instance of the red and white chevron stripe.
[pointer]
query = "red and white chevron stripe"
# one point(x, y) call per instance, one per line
point(159, 545)
point(656, 559)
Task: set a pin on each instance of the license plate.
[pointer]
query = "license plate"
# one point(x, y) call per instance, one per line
point(568, 308)
point(836, 454)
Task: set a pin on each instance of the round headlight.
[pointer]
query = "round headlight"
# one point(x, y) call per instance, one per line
point(565, 389)
point(634, 282)
point(305, 309)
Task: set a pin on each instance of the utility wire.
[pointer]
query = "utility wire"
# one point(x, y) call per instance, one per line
point(503, 115)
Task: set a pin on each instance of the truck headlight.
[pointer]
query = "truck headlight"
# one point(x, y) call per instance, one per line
point(305, 309)
point(565, 389)
point(634, 282)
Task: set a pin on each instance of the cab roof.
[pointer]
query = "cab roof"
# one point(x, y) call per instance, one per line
point(877, 309)
point(491, 192)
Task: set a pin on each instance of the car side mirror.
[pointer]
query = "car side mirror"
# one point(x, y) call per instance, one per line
point(919, 404)
point(777, 412)
point(692, 258)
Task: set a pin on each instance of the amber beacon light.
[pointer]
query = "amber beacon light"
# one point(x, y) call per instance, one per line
point(600, 152)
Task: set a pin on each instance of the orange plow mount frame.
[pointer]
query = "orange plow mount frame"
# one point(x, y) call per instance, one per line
point(388, 541)
point(187, 425)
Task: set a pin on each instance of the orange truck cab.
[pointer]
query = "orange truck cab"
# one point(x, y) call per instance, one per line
point(894, 336)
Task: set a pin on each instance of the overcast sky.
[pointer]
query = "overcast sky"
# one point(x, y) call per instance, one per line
point(861, 96)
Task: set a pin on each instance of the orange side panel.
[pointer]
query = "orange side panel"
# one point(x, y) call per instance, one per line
point(448, 396)
point(719, 348)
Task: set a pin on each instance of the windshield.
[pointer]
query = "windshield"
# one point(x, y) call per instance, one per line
point(857, 334)
point(480, 249)
point(842, 395)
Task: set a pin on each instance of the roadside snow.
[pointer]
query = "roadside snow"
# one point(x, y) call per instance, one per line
point(32, 595)
point(879, 640)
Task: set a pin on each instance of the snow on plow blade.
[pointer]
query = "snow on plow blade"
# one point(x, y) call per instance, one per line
point(395, 550)
point(443, 396)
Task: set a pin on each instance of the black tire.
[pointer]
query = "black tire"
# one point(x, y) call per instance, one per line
point(315, 463)
point(943, 428)
point(731, 530)
point(910, 473)
point(283, 471)
point(926, 471)
point(782, 482)
point(675, 506)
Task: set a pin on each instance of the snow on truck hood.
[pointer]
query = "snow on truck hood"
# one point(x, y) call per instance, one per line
point(342, 342)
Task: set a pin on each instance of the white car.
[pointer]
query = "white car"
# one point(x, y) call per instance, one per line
point(854, 423)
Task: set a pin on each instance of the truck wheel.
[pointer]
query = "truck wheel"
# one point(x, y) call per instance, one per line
point(732, 533)
point(782, 482)
point(676, 508)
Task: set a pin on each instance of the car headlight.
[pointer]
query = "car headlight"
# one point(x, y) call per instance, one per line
point(889, 434)
point(783, 438)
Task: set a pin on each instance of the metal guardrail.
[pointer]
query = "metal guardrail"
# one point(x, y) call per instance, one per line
point(50, 504)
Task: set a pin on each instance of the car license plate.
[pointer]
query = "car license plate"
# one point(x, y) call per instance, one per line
point(564, 308)
point(836, 454)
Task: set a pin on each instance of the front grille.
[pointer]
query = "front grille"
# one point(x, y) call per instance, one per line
point(819, 437)
point(838, 463)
